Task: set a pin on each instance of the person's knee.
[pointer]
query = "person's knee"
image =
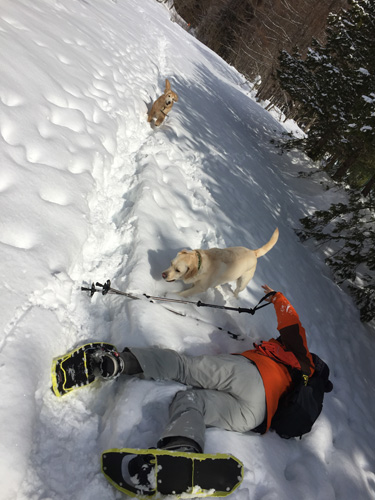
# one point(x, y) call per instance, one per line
point(187, 400)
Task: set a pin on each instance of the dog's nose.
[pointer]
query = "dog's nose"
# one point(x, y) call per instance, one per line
point(164, 275)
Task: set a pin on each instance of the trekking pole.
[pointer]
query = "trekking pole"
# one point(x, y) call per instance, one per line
point(227, 308)
point(107, 289)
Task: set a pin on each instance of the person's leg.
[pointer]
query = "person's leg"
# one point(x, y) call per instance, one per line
point(234, 398)
point(229, 373)
point(186, 426)
point(193, 410)
point(159, 364)
point(230, 395)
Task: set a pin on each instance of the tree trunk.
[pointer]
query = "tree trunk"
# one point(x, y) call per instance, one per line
point(341, 171)
point(330, 163)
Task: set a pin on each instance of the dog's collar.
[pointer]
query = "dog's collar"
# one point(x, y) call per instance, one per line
point(162, 110)
point(199, 259)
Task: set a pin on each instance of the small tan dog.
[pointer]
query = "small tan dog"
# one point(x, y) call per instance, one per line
point(216, 266)
point(163, 105)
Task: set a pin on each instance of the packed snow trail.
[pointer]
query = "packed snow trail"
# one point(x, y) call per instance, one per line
point(89, 191)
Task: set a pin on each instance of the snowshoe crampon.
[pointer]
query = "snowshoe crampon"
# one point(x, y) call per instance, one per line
point(183, 475)
point(76, 369)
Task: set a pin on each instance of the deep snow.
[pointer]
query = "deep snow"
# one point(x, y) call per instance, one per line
point(89, 191)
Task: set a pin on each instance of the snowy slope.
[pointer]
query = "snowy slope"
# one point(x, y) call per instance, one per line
point(89, 191)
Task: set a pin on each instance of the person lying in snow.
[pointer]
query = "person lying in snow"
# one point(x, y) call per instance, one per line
point(236, 392)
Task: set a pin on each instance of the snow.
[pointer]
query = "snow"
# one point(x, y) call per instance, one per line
point(90, 192)
point(368, 99)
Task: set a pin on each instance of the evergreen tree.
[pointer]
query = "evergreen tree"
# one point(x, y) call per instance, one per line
point(333, 90)
point(347, 233)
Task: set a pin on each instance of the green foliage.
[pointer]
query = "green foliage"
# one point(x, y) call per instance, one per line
point(332, 90)
point(333, 94)
point(348, 235)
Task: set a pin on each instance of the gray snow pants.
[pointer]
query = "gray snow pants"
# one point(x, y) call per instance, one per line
point(226, 391)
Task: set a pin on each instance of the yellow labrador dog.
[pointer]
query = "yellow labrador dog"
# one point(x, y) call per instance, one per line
point(163, 104)
point(216, 266)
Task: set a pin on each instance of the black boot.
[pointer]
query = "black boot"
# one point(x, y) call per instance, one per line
point(110, 365)
point(131, 365)
point(179, 444)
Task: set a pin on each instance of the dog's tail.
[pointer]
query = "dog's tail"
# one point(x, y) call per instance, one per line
point(267, 247)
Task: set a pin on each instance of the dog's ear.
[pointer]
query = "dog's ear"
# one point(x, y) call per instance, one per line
point(184, 252)
point(167, 85)
point(191, 272)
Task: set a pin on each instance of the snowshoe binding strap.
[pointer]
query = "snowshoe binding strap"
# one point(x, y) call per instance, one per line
point(108, 365)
